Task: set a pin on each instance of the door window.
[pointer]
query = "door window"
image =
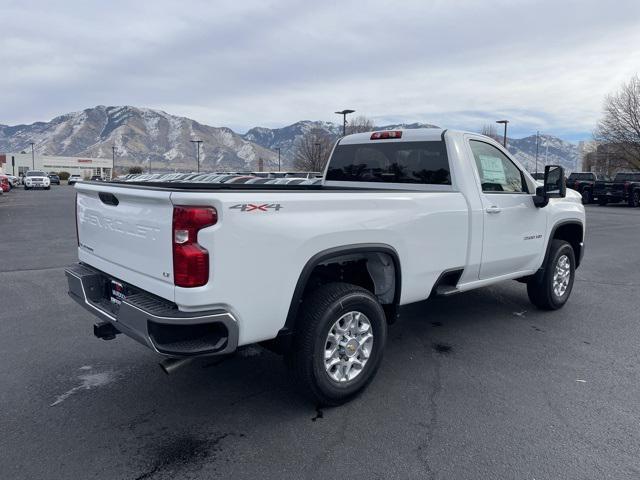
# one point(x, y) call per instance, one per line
point(497, 173)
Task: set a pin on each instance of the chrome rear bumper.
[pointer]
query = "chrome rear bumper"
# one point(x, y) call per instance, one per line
point(152, 321)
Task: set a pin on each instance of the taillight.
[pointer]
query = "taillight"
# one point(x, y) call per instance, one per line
point(576, 184)
point(386, 134)
point(190, 260)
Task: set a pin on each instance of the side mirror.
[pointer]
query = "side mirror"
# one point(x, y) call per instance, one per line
point(554, 186)
point(554, 181)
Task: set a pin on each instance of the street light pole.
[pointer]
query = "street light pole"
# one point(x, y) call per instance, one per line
point(504, 140)
point(278, 149)
point(344, 114)
point(197, 142)
point(33, 157)
point(113, 160)
point(537, 142)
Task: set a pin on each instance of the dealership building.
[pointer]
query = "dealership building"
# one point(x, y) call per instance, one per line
point(19, 163)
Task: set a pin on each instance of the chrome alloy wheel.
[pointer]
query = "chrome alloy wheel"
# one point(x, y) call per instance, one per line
point(561, 276)
point(348, 346)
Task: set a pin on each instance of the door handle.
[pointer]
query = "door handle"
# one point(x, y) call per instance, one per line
point(493, 209)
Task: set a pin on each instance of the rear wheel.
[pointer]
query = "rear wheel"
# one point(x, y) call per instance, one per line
point(586, 197)
point(634, 199)
point(552, 290)
point(338, 343)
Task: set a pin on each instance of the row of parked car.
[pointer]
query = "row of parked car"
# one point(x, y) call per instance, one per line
point(624, 187)
point(7, 182)
point(33, 179)
point(280, 178)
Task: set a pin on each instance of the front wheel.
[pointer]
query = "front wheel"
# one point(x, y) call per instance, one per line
point(338, 343)
point(551, 291)
point(586, 197)
point(634, 200)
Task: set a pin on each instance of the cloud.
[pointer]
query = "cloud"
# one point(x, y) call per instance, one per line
point(544, 65)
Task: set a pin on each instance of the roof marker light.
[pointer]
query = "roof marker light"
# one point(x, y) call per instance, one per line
point(386, 134)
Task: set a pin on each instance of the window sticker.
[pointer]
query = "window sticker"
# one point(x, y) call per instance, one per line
point(492, 169)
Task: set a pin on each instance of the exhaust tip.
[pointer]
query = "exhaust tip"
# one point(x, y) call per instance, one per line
point(170, 365)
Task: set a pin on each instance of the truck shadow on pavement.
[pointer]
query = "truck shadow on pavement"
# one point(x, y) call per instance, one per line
point(200, 419)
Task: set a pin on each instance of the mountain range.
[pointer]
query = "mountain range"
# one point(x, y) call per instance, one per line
point(156, 139)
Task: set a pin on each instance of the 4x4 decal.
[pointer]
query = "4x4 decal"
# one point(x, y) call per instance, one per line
point(252, 207)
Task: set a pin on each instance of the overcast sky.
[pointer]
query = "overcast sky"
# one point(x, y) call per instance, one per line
point(541, 64)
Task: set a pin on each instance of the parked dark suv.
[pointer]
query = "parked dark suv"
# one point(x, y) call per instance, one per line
point(54, 178)
point(583, 183)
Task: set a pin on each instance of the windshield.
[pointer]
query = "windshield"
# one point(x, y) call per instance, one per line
point(627, 177)
point(582, 176)
point(35, 173)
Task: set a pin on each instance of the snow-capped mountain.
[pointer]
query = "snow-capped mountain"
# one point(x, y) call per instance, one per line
point(285, 138)
point(404, 126)
point(143, 135)
point(140, 135)
point(551, 150)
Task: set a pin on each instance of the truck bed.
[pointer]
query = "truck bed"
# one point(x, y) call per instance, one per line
point(219, 187)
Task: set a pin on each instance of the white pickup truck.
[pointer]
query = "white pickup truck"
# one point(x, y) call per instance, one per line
point(317, 272)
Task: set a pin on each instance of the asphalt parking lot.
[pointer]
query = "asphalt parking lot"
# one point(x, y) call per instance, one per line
point(475, 386)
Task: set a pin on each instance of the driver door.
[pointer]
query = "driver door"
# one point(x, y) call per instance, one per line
point(514, 229)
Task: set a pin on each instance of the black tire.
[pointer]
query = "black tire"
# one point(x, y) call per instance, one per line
point(634, 198)
point(319, 312)
point(47, 188)
point(26, 188)
point(602, 202)
point(540, 290)
point(586, 197)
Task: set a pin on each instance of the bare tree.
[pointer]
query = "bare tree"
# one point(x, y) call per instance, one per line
point(489, 130)
point(620, 125)
point(360, 124)
point(312, 150)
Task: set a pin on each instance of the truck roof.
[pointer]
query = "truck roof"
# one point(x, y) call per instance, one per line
point(408, 135)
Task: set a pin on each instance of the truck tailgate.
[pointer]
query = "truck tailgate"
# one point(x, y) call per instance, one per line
point(126, 232)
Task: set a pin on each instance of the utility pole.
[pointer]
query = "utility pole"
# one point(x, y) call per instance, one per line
point(278, 149)
point(504, 140)
point(113, 161)
point(33, 157)
point(344, 114)
point(537, 139)
point(546, 155)
point(317, 154)
point(197, 142)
